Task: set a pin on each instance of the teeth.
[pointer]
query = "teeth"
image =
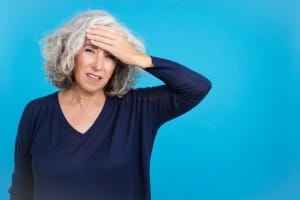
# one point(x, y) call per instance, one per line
point(94, 76)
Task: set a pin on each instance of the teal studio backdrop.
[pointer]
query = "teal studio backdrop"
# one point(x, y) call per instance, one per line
point(242, 142)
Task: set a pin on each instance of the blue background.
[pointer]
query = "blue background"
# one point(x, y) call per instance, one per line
point(241, 142)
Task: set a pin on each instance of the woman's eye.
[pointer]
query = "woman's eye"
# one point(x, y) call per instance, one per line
point(110, 56)
point(90, 50)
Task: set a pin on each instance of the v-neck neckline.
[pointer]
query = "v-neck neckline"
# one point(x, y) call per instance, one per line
point(74, 130)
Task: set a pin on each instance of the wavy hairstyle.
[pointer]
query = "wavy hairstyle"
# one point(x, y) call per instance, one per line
point(60, 48)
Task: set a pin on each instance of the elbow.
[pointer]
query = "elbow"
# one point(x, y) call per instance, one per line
point(198, 92)
point(204, 88)
point(207, 86)
point(195, 93)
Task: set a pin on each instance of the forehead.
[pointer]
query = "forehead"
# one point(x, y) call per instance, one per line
point(88, 43)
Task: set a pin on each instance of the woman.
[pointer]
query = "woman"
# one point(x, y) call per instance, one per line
point(93, 138)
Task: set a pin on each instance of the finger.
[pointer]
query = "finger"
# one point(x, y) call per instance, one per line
point(105, 37)
point(100, 29)
point(100, 33)
point(101, 39)
point(103, 46)
point(109, 30)
point(112, 30)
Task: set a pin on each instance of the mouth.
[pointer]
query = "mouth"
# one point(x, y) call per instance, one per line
point(94, 76)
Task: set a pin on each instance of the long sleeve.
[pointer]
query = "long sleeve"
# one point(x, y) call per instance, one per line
point(111, 160)
point(184, 89)
point(22, 179)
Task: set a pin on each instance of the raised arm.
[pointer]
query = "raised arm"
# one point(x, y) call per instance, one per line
point(184, 89)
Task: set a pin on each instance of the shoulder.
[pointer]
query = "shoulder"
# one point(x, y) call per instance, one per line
point(44, 99)
point(36, 109)
point(41, 102)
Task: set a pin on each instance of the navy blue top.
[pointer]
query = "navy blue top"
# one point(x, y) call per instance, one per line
point(111, 160)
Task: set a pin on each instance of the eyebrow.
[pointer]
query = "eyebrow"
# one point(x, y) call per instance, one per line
point(90, 45)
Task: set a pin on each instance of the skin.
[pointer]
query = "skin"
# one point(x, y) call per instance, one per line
point(94, 66)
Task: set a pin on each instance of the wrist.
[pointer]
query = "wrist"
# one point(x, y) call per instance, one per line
point(144, 61)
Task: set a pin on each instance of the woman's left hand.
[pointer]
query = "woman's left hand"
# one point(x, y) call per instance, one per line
point(116, 43)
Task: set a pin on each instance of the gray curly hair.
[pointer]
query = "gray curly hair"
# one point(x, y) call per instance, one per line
point(60, 48)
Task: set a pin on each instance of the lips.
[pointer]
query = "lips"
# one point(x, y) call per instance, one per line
point(94, 76)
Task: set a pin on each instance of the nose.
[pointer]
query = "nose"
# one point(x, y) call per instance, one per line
point(99, 60)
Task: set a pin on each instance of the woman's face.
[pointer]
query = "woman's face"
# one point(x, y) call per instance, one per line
point(93, 68)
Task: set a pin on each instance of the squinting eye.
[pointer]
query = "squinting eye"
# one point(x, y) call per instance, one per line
point(110, 56)
point(89, 50)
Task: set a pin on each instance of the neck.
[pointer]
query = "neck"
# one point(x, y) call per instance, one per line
point(84, 99)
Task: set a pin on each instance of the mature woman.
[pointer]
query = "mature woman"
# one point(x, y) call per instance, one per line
point(93, 138)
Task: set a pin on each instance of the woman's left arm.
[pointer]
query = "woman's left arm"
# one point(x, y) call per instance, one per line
point(184, 89)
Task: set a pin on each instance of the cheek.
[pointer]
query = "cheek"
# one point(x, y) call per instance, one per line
point(76, 71)
point(110, 70)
